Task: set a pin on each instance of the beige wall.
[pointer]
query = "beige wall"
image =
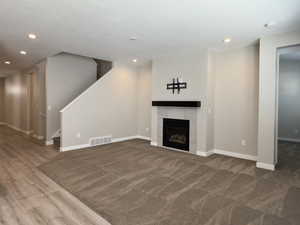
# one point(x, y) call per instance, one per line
point(66, 77)
point(37, 108)
point(16, 101)
point(144, 102)
point(267, 128)
point(24, 100)
point(210, 102)
point(2, 102)
point(288, 102)
point(108, 107)
point(236, 100)
point(191, 67)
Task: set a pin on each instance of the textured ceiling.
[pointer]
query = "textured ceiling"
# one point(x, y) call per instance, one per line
point(102, 28)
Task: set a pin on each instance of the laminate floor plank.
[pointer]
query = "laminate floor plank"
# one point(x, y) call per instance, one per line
point(28, 196)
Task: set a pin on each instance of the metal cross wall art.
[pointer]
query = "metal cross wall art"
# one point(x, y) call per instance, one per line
point(176, 85)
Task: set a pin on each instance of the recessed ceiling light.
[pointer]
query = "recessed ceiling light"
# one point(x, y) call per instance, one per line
point(32, 36)
point(7, 62)
point(133, 38)
point(134, 60)
point(227, 40)
point(270, 24)
point(23, 52)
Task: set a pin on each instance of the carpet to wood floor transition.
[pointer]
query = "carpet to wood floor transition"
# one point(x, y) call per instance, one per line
point(132, 183)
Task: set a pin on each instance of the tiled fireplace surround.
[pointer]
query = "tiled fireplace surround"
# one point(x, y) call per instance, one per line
point(184, 113)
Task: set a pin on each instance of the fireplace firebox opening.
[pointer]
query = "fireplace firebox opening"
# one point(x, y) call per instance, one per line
point(176, 133)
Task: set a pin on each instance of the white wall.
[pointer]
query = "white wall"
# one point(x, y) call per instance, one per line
point(289, 95)
point(109, 107)
point(236, 100)
point(267, 134)
point(66, 77)
point(144, 102)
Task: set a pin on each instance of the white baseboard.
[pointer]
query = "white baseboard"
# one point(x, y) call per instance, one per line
point(124, 139)
point(235, 155)
point(130, 138)
point(265, 166)
point(27, 132)
point(143, 137)
point(226, 153)
point(49, 142)
point(153, 143)
point(114, 140)
point(205, 154)
point(74, 147)
point(38, 137)
point(289, 139)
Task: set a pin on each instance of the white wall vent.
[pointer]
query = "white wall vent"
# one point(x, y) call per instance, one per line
point(100, 140)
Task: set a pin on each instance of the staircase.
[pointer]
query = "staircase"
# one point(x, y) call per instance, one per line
point(103, 67)
point(56, 142)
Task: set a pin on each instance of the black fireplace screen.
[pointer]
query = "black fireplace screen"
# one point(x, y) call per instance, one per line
point(176, 134)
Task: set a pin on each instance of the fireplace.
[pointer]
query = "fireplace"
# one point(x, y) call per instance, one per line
point(176, 133)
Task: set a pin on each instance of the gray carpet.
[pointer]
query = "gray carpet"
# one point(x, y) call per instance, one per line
point(132, 183)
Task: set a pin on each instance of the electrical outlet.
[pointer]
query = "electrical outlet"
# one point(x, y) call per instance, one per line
point(296, 131)
point(78, 135)
point(49, 107)
point(244, 142)
point(147, 129)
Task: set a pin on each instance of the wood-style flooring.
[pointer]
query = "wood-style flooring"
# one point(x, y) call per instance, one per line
point(27, 196)
point(132, 183)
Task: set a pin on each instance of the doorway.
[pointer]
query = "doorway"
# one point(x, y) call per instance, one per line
point(288, 108)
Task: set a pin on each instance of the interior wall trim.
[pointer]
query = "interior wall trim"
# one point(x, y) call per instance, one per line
point(114, 140)
point(153, 143)
point(143, 137)
point(227, 153)
point(205, 153)
point(265, 166)
point(27, 132)
point(235, 155)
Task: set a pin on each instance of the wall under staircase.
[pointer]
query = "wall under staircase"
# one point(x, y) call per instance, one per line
point(109, 108)
point(67, 76)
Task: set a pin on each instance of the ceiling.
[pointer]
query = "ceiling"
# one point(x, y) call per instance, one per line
point(102, 28)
